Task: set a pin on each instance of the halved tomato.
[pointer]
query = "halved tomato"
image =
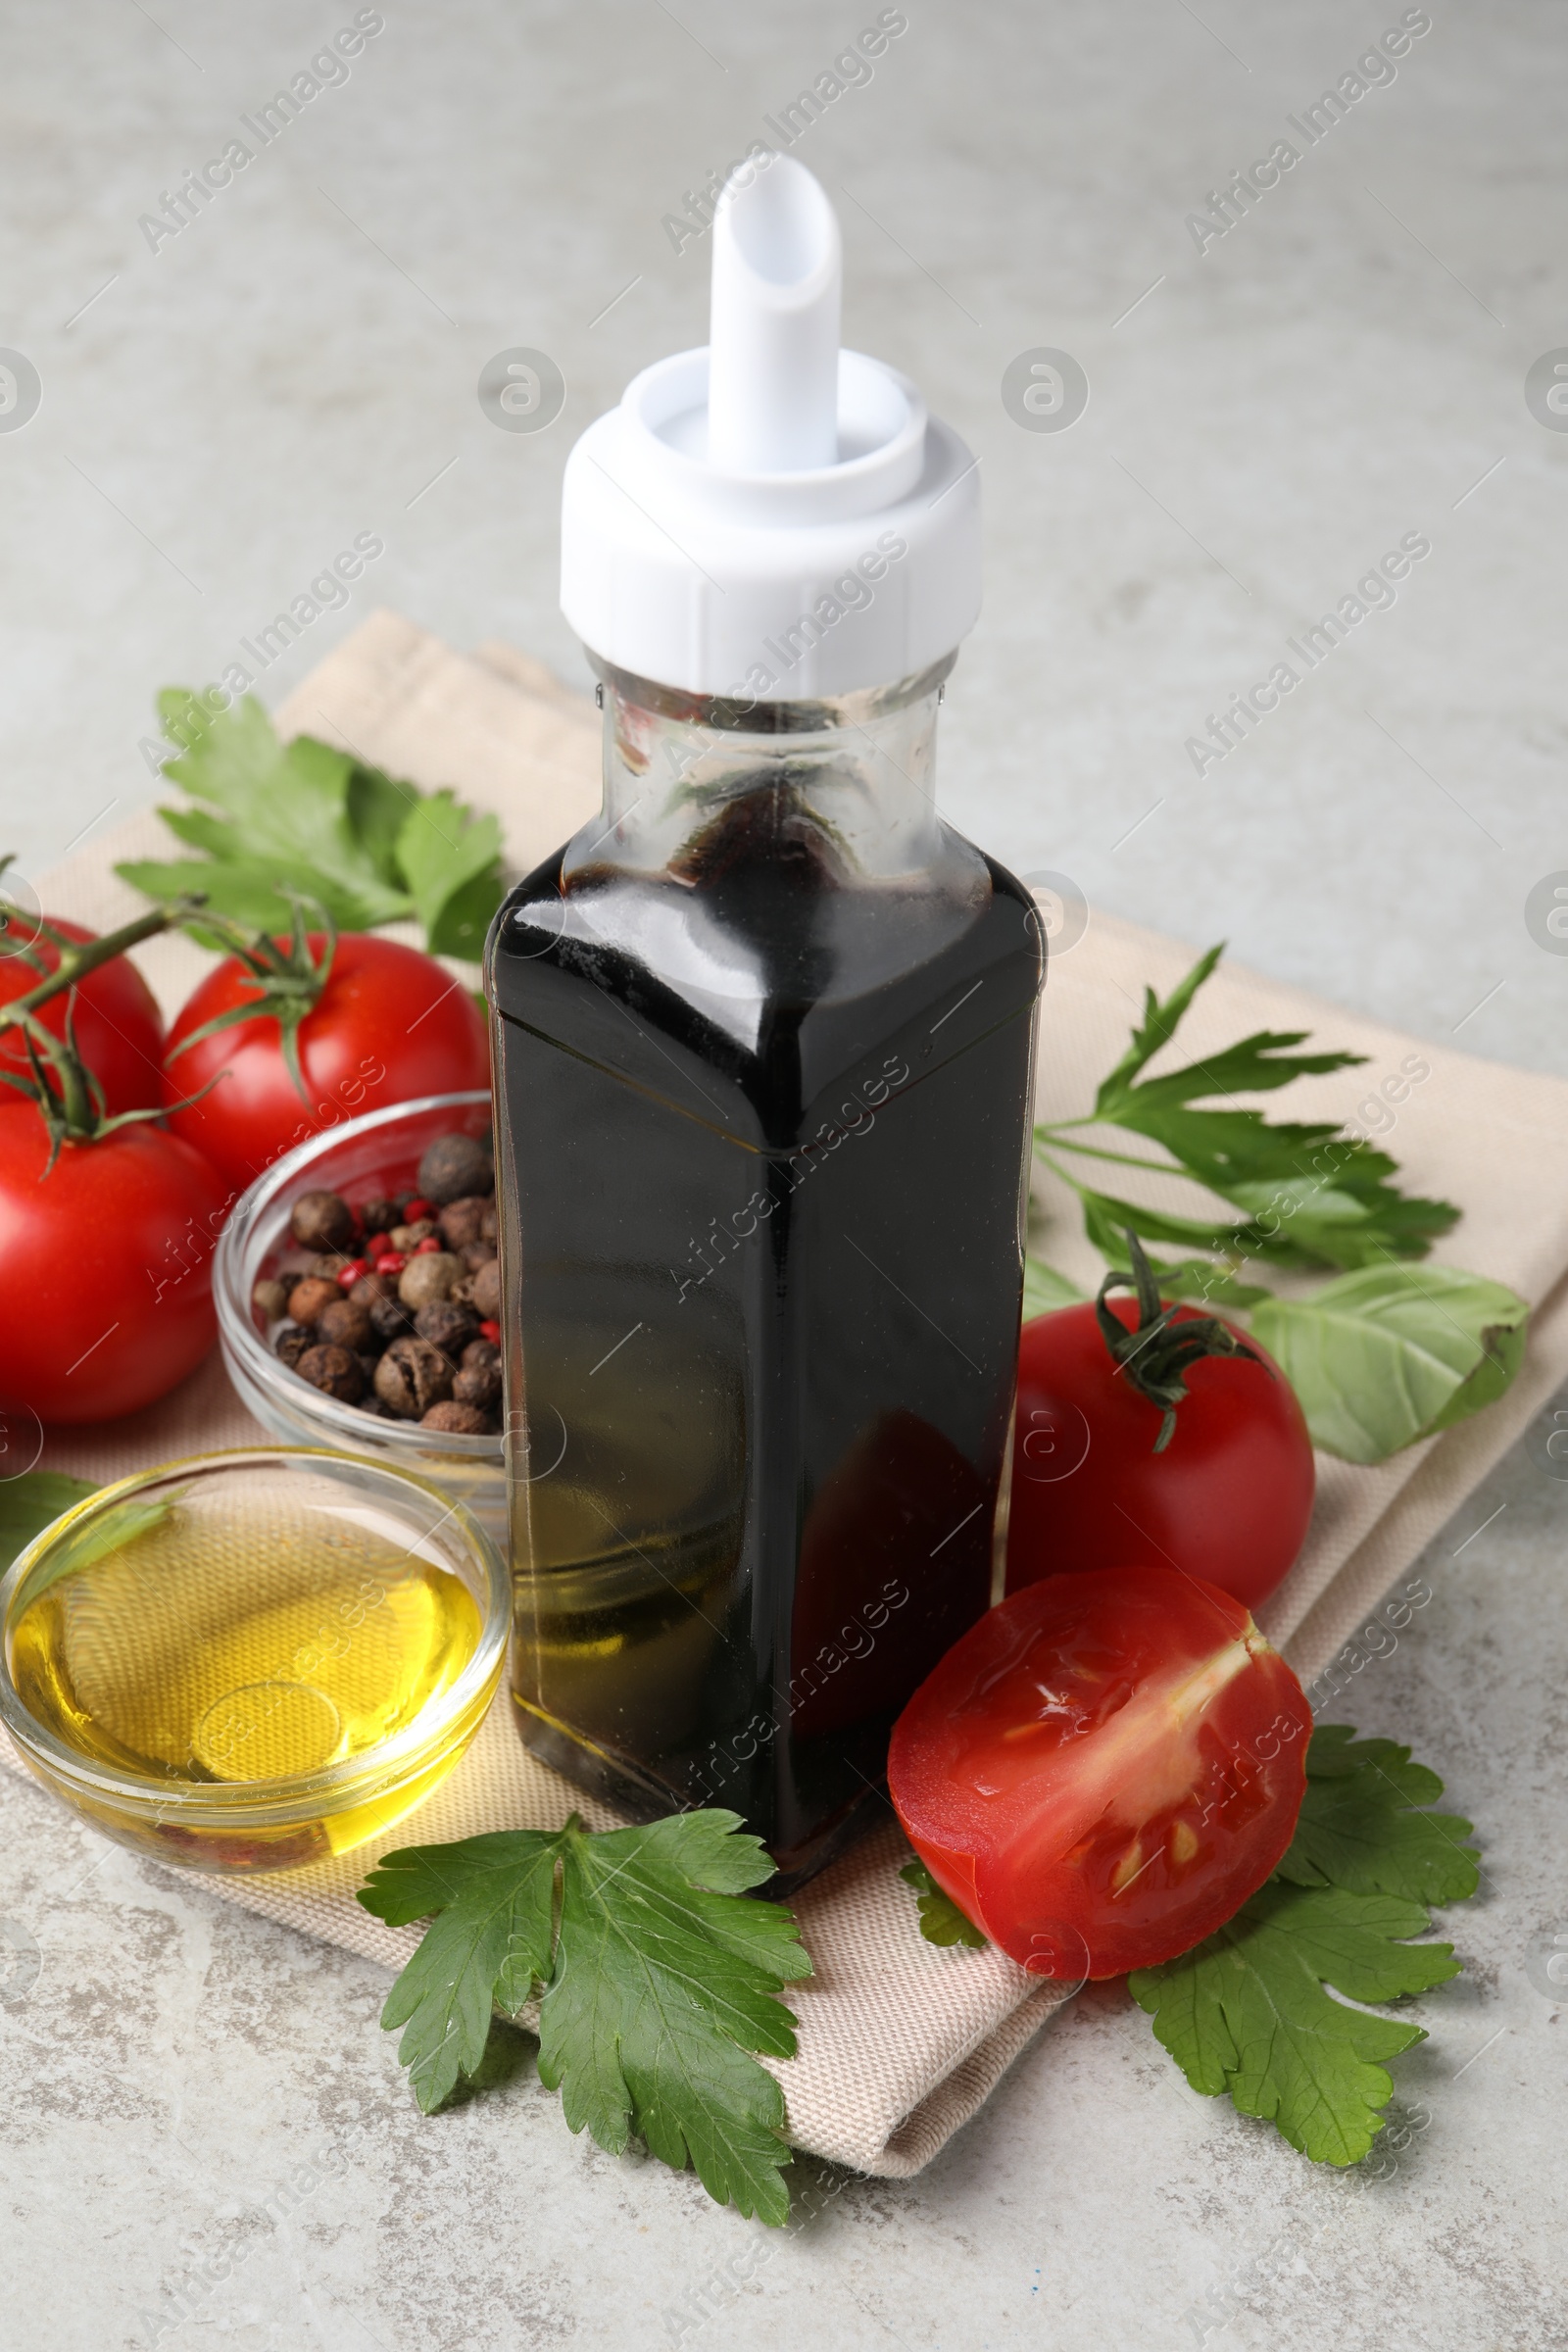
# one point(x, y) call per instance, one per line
point(1104, 1769)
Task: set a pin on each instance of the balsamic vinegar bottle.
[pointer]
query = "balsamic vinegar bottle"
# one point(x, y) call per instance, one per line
point(764, 1040)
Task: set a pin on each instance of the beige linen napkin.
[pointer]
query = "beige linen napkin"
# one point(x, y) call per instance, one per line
point(899, 2042)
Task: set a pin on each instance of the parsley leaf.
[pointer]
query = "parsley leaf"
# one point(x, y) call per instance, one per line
point(1044, 1289)
point(1249, 2010)
point(941, 1920)
point(275, 818)
point(1381, 1356)
point(1359, 1827)
point(1307, 1195)
point(660, 1983)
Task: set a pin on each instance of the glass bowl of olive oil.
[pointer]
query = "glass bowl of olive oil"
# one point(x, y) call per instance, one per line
point(255, 1660)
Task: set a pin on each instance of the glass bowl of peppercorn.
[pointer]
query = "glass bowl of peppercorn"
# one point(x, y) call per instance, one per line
point(359, 1298)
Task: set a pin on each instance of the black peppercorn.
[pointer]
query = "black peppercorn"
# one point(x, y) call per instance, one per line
point(334, 1371)
point(446, 1326)
point(346, 1324)
point(380, 1216)
point(411, 1377)
point(390, 1320)
point(454, 1167)
point(479, 1385)
point(462, 1220)
point(292, 1342)
point(463, 1420)
point(321, 1221)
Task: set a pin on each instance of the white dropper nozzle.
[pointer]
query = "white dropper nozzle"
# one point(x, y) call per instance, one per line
point(771, 518)
point(773, 350)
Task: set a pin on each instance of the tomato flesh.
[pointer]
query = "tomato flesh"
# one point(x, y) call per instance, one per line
point(1104, 1769)
point(119, 1028)
point(390, 1025)
point(1228, 1499)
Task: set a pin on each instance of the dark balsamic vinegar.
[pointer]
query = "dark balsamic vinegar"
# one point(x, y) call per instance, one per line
point(763, 1122)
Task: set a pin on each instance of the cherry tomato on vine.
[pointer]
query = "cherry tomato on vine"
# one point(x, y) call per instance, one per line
point(119, 1028)
point(1227, 1498)
point(105, 1265)
point(385, 1024)
point(1104, 1769)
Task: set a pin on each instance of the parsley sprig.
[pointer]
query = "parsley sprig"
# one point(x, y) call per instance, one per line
point(1386, 1351)
point(1252, 2009)
point(1343, 1208)
point(274, 820)
point(660, 1982)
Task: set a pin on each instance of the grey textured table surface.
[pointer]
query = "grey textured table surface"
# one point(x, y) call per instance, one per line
point(199, 2106)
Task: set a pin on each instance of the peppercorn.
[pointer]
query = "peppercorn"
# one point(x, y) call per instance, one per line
point(479, 1385)
point(291, 1344)
point(481, 1351)
point(346, 1323)
point(380, 1216)
point(390, 1320)
point(460, 1420)
point(462, 1220)
point(269, 1298)
point(476, 1254)
point(406, 1238)
point(309, 1300)
point(446, 1326)
point(372, 1287)
point(487, 1291)
point(428, 1277)
point(490, 1227)
point(367, 1358)
point(334, 1371)
point(411, 1377)
point(321, 1221)
point(455, 1167)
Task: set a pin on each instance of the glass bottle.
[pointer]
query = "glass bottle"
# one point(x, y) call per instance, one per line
point(763, 1037)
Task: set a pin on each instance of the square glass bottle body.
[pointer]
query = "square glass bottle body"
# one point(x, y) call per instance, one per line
point(763, 1084)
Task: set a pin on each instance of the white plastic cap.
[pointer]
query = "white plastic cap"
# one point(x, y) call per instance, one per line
point(771, 518)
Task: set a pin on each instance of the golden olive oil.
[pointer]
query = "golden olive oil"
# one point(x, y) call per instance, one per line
point(215, 1646)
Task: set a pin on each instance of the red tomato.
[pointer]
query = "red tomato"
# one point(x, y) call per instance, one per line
point(1104, 1769)
point(1228, 1499)
point(390, 1024)
point(119, 1030)
point(105, 1265)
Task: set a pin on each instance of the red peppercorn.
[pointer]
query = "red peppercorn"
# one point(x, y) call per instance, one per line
point(354, 1271)
point(431, 1241)
point(491, 1332)
point(413, 1211)
point(377, 1246)
point(390, 1262)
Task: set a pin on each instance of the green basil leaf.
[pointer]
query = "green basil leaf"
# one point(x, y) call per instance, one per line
point(1391, 1354)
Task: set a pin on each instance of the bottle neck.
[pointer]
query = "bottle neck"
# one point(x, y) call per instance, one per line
point(858, 770)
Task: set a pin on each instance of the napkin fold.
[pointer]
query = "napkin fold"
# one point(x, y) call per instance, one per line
point(899, 2041)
